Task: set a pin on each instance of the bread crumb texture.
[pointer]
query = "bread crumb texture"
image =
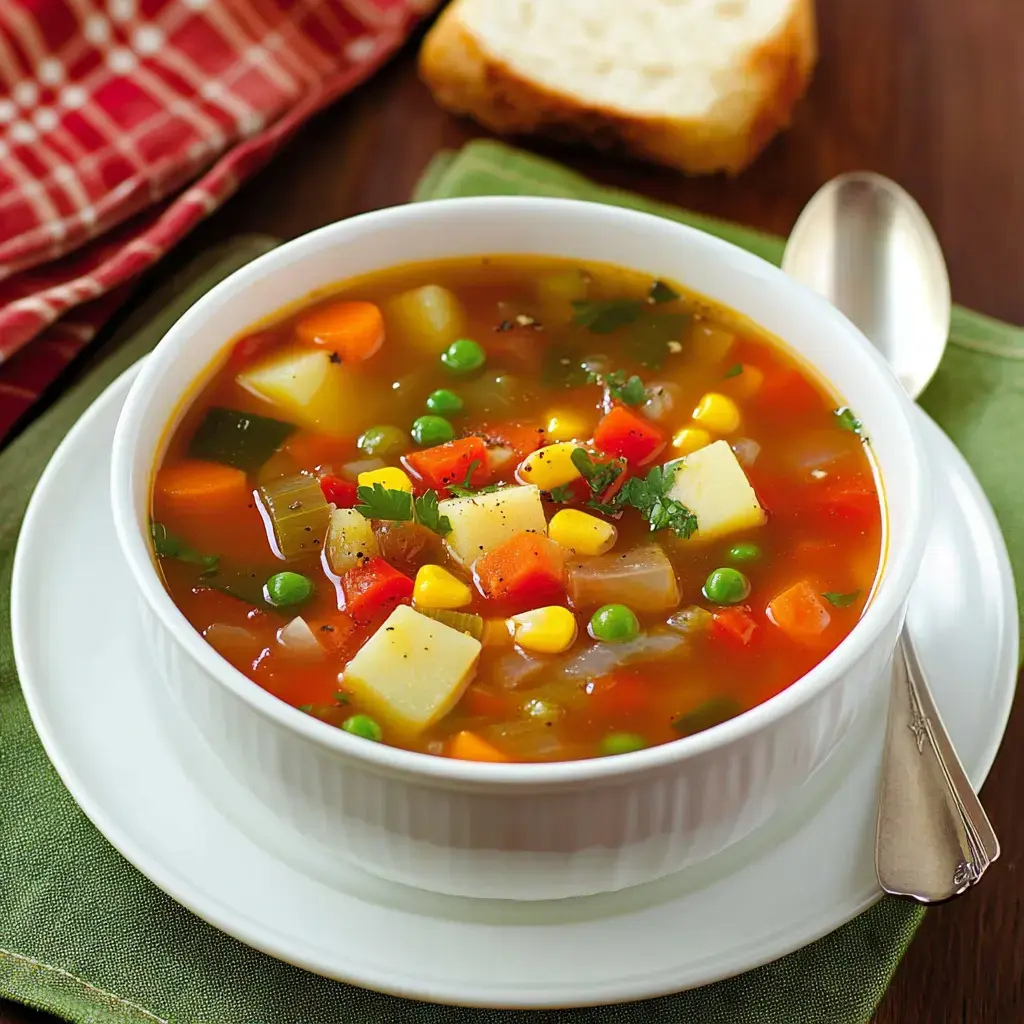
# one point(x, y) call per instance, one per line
point(700, 85)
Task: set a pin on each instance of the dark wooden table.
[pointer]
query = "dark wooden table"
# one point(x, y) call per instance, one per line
point(930, 92)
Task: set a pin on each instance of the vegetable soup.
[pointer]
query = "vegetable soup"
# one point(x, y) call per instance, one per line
point(517, 509)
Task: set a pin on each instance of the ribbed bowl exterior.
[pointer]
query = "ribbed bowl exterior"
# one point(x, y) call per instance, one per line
point(525, 845)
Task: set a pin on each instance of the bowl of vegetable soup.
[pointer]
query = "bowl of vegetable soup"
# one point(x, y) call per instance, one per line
point(519, 548)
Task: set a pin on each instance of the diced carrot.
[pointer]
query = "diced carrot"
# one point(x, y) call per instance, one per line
point(246, 349)
point(735, 625)
point(355, 330)
point(624, 433)
point(618, 694)
point(520, 437)
point(196, 486)
point(467, 746)
point(799, 612)
point(318, 451)
point(485, 703)
point(449, 463)
point(525, 567)
point(374, 587)
point(341, 492)
point(788, 392)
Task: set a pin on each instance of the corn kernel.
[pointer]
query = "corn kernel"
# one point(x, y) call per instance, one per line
point(550, 630)
point(390, 477)
point(582, 533)
point(747, 382)
point(566, 425)
point(718, 413)
point(437, 588)
point(549, 467)
point(689, 439)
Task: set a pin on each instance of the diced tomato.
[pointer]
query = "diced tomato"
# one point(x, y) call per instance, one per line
point(799, 612)
point(623, 433)
point(373, 588)
point(341, 492)
point(252, 345)
point(450, 464)
point(851, 501)
point(526, 568)
point(485, 703)
point(521, 438)
point(735, 625)
point(787, 392)
point(617, 695)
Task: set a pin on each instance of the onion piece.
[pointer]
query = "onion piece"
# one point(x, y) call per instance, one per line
point(236, 644)
point(642, 578)
point(351, 470)
point(662, 398)
point(691, 620)
point(746, 450)
point(299, 641)
point(600, 659)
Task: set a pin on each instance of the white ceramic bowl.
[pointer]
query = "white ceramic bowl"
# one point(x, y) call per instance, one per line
point(528, 831)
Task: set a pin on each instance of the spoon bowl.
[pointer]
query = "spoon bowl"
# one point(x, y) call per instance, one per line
point(864, 244)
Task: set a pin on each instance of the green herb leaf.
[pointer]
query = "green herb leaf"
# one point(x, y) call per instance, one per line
point(599, 476)
point(734, 371)
point(628, 390)
point(428, 515)
point(464, 490)
point(712, 712)
point(650, 497)
point(848, 421)
point(563, 494)
point(341, 697)
point(841, 600)
point(380, 502)
point(661, 292)
point(605, 315)
point(305, 708)
point(167, 545)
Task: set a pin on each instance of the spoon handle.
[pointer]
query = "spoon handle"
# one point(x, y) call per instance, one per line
point(934, 839)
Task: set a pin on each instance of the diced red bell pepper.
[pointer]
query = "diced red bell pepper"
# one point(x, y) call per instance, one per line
point(526, 567)
point(449, 463)
point(341, 492)
point(623, 433)
point(734, 625)
point(252, 345)
point(618, 695)
point(374, 588)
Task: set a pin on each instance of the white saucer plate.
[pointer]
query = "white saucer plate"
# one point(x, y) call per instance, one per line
point(143, 776)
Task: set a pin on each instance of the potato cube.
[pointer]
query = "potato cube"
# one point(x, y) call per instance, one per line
point(711, 483)
point(484, 521)
point(350, 540)
point(412, 671)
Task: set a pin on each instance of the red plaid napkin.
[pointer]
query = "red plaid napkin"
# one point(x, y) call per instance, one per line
point(108, 110)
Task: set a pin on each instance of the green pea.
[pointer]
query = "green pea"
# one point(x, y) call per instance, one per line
point(444, 402)
point(463, 356)
point(622, 743)
point(285, 588)
point(364, 726)
point(726, 586)
point(747, 552)
point(430, 430)
point(614, 623)
point(384, 441)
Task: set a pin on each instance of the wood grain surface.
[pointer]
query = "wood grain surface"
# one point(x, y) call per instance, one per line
point(929, 92)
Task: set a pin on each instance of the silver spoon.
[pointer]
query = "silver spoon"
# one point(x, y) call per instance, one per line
point(866, 246)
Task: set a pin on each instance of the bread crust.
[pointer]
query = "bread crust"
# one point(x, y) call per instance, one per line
point(467, 79)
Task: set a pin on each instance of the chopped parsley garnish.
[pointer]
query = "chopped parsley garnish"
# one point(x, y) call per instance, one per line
point(605, 315)
point(428, 514)
point(650, 497)
point(661, 292)
point(628, 390)
point(841, 600)
point(465, 490)
point(380, 502)
point(600, 476)
point(167, 545)
point(734, 371)
point(848, 421)
point(562, 494)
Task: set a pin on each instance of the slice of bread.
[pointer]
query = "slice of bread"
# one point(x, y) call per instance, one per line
point(701, 85)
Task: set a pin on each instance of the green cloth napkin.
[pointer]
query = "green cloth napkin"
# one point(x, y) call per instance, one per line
point(85, 936)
